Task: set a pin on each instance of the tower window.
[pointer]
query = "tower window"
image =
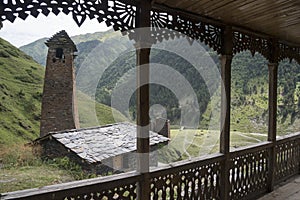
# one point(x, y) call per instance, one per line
point(59, 53)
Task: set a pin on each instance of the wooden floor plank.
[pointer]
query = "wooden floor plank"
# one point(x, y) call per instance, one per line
point(289, 190)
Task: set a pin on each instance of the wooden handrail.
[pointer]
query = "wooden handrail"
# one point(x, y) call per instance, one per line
point(250, 149)
point(60, 191)
point(187, 164)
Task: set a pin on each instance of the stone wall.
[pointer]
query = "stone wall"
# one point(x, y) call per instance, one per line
point(59, 109)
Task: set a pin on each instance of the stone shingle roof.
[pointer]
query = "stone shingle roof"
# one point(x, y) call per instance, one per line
point(97, 144)
point(61, 39)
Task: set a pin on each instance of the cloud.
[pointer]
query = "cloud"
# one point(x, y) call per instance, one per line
point(22, 32)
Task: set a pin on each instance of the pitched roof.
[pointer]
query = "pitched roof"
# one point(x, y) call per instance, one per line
point(99, 143)
point(61, 39)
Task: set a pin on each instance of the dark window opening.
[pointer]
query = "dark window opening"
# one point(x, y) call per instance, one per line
point(59, 53)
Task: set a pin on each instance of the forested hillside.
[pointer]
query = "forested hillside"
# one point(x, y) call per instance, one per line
point(249, 84)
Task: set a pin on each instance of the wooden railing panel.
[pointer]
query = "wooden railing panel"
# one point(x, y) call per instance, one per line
point(248, 173)
point(287, 158)
point(122, 186)
point(198, 180)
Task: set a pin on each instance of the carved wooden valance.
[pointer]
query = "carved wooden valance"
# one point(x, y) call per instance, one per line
point(121, 15)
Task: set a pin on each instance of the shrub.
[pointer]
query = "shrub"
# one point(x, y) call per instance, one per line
point(74, 169)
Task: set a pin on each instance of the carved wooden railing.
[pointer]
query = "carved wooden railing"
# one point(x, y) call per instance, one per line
point(193, 179)
point(199, 179)
point(287, 157)
point(249, 171)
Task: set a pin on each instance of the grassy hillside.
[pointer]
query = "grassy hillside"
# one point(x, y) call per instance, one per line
point(37, 50)
point(92, 113)
point(21, 80)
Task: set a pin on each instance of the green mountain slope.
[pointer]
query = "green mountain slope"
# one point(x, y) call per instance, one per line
point(85, 44)
point(249, 96)
point(21, 80)
point(37, 50)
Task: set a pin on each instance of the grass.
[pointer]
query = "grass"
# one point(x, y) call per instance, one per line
point(27, 177)
point(21, 167)
point(20, 93)
point(188, 143)
point(92, 113)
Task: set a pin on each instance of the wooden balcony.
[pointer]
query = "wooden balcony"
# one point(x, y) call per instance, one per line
point(228, 27)
point(249, 175)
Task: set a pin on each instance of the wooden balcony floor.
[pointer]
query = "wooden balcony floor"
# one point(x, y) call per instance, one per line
point(289, 190)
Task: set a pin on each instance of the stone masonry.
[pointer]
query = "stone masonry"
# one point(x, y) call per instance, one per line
point(59, 108)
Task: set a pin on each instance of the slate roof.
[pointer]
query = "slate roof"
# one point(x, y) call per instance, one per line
point(99, 143)
point(61, 39)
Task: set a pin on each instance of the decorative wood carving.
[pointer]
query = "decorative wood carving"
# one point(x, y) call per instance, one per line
point(248, 173)
point(125, 192)
point(289, 52)
point(121, 14)
point(288, 156)
point(195, 181)
point(243, 42)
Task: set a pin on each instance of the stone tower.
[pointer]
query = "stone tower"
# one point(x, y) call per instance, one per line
point(59, 107)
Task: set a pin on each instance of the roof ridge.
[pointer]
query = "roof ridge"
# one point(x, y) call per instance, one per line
point(61, 38)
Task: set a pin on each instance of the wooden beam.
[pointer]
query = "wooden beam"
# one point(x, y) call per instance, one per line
point(226, 60)
point(143, 97)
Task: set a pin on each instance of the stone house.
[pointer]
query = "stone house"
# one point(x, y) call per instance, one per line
point(99, 150)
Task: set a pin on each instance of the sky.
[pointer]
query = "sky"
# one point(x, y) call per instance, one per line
point(23, 32)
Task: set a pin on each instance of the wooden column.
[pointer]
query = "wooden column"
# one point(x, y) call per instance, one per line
point(226, 60)
point(143, 75)
point(273, 77)
point(272, 125)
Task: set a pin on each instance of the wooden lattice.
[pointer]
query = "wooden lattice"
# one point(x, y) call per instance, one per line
point(248, 173)
point(288, 52)
point(126, 192)
point(196, 181)
point(121, 14)
point(115, 13)
point(243, 42)
point(287, 159)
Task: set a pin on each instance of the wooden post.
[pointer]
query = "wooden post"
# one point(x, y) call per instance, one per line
point(273, 77)
point(226, 60)
point(273, 73)
point(143, 97)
